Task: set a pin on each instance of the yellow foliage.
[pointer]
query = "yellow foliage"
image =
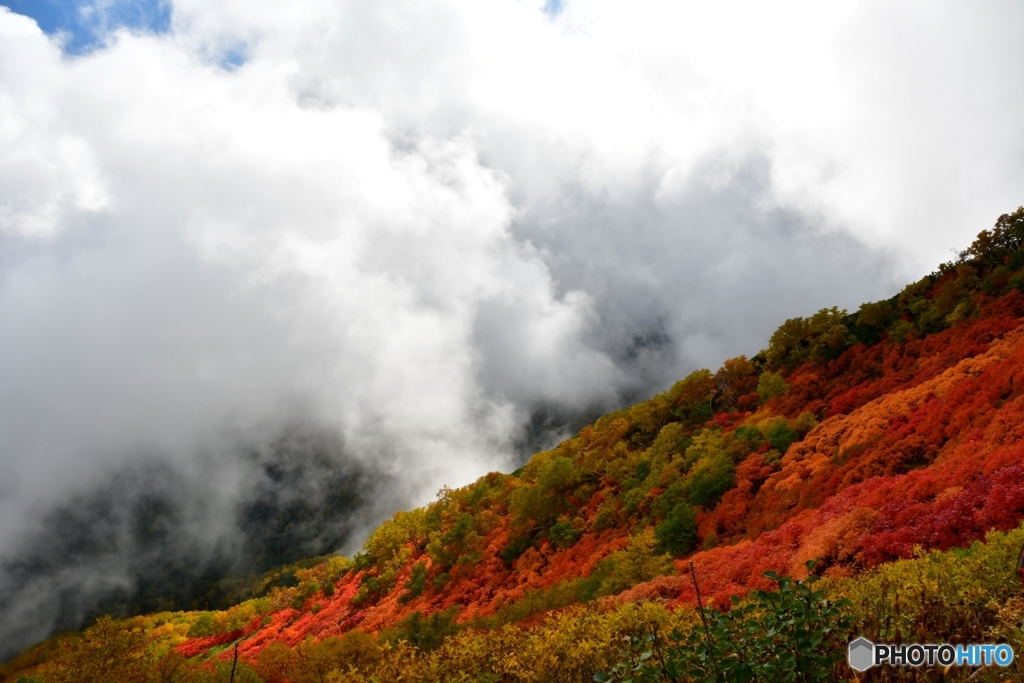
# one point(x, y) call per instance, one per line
point(105, 652)
point(936, 594)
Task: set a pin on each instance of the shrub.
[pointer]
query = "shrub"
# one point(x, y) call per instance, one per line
point(416, 583)
point(637, 563)
point(771, 385)
point(427, 633)
point(793, 635)
point(677, 535)
point(711, 477)
point(564, 535)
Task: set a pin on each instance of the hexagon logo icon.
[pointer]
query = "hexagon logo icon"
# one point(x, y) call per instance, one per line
point(862, 654)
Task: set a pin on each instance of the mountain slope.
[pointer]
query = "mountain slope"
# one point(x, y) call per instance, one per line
point(853, 439)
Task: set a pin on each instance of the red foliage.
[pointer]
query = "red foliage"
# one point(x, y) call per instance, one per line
point(920, 444)
point(991, 502)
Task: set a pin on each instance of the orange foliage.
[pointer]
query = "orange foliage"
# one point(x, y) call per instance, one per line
point(921, 444)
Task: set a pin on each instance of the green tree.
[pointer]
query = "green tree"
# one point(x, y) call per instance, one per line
point(820, 338)
point(677, 535)
point(417, 582)
point(712, 473)
point(770, 385)
point(538, 505)
point(426, 633)
point(638, 562)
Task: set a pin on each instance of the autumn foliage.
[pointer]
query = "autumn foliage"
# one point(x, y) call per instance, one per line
point(857, 440)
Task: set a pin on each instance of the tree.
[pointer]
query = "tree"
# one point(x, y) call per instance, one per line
point(677, 535)
point(638, 562)
point(994, 246)
point(820, 338)
point(771, 385)
point(712, 473)
point(108, 651)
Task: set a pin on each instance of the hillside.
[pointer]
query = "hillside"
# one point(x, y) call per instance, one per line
point(877, 442)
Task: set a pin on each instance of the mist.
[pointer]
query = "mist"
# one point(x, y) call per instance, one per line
point(269, 273)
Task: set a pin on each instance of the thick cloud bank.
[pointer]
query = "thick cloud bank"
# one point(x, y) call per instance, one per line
point(431, 234)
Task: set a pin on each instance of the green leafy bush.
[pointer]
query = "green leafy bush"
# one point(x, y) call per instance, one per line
point(426, 633)
point(416, 583)
point(564, 535)
point(677, 535)
point(771, 385)
point(793, 635)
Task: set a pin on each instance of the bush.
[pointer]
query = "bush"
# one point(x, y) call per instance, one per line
point(426, 634)
point(677, 535)
point(794, 635)
point(564, 535)
point(636, 563)
point(416, 583)
point(203, 626)
point(514, 548)
point(711, 477)
point(780, 435)
point(771, 385)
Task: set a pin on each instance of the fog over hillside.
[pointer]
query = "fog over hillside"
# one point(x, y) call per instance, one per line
point(270, 271)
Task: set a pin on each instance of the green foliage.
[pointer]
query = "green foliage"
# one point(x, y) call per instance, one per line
point(1000, 244)
point(646, 420)
point(428, 633)
point(564, 534)
point(792, 635)
point(671, 439)
point(515, 547)
point(540, 600)
point(387, 545)
point(671, 497)
point(712, 473)
point(819, 338)
point(780, 435)
point(771, 385)
point(539, 504)
point(677, 535)
point(638, 562)
point(607, 514)
point(203, 626)
point(446, 548)
point(356, 649)
point(220, 672)
point(374, 587)
point(751, 434)
point(877, 315)
point(303, 594)
point(417, 582)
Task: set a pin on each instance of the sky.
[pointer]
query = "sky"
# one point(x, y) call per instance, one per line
point(443, 232)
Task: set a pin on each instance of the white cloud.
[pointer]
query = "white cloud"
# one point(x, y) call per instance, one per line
point(417, 222)
point(46, 171)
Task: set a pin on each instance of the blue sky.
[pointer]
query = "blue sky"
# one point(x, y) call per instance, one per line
point(553, 6)
point(86, 21)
